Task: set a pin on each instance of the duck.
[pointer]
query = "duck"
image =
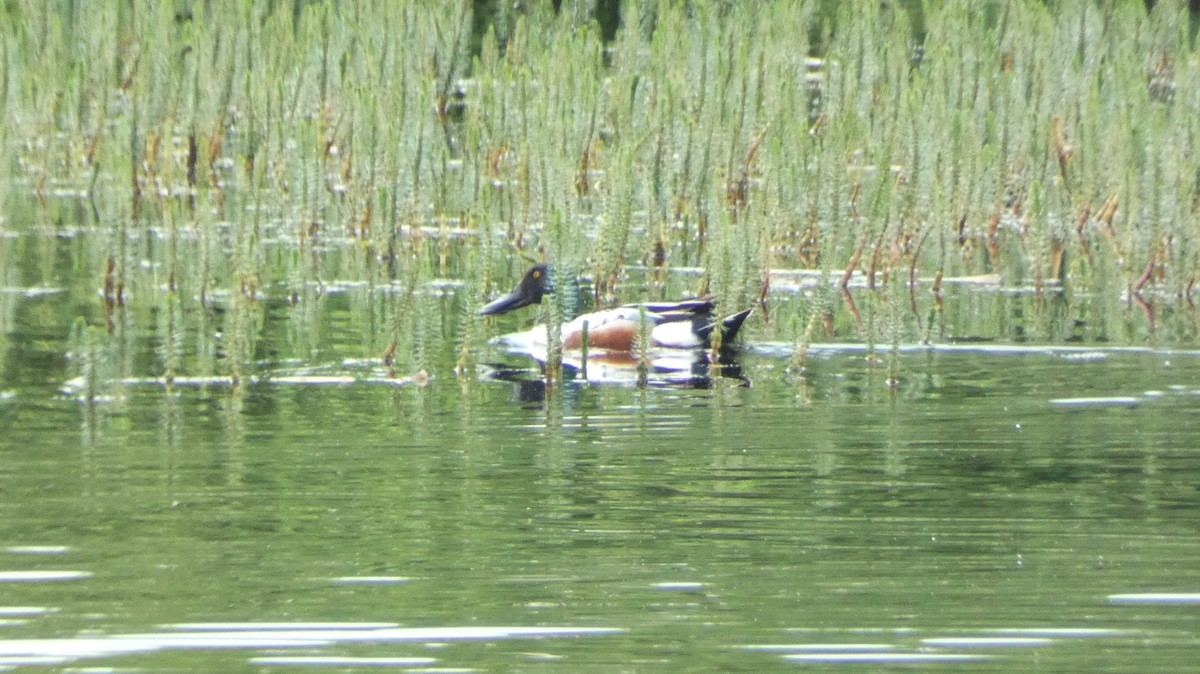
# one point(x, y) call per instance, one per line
point(686, 324)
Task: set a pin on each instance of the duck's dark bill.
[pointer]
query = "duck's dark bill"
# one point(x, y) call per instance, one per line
point(513, 300)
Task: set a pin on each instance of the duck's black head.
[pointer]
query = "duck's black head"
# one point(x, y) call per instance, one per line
point(537, 282)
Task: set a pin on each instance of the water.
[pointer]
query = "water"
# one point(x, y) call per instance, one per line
point(206, 465)
point(1001, 508)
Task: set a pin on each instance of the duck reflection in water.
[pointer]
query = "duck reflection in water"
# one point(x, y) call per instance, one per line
point(679, 350)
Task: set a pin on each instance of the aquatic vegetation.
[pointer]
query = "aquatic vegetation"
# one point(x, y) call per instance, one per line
point(217, 160)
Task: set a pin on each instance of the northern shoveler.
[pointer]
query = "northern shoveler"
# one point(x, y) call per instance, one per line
point(685, 324)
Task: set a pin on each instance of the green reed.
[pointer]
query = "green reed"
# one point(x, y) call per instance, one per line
point(273, 148)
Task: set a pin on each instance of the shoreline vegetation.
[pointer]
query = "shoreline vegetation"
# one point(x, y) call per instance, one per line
point(842, 167)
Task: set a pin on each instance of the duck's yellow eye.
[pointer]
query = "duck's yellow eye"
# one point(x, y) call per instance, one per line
point(537, 275)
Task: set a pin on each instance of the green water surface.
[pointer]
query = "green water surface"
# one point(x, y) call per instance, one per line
point(999, 504)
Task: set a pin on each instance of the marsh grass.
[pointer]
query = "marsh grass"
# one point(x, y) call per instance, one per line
point(230, 154)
